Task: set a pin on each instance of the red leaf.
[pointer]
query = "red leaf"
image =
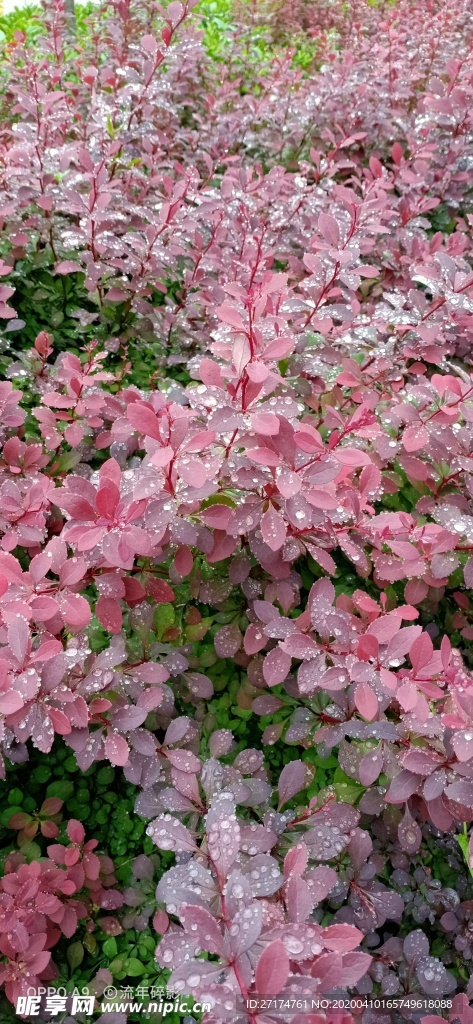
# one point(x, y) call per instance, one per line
point(108, 496)
point(109, 613)
point(159, 590)
point(183, 561)
point(19, 820)
point(52, 805)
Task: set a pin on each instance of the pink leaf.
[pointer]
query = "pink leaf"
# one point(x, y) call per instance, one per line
point(463, 745)
point(366, 701)
point(299, 899)
point(75, 831)
point(402, 787)
point(68, 267)
point(321, 880)
point(149, 44)
point(185, 760)
point(229, 315)
point(52, 805)
point(18, 636)
point(371, 766)
point(10, 702)
point(263, 457)
point(329, 229)
point(409, 834)
point(468, 573)
point(342, 938)
point(272, 969)
point(327, 969)
point(352, 457)
point(116, 749)
point(415, 437)
point(193, 472)
point(273, 528)
point(265, 423)
point(355, 966)
point(143, 419)
point(421, 652)
point(257, 371)
point(76, 611)
point(296, 860)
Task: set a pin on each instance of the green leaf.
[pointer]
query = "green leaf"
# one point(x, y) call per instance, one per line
point(15, 797)
point(67, 461)
point(105, 776)
point(8, 813)
point(349, 792)
point(63, 790)
point(463, 841)
point(326, 763)
point(75, 955)
point(134, 967)
point(110, 947)
point(244, 713)
point(164, 617)
point(218, 499)
point(116, 967)
point(32, 851)
point(198, 631)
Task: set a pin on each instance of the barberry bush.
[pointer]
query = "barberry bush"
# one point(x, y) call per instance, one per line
point(236, 505)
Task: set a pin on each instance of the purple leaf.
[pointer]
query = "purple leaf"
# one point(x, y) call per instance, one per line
point(202, 927)
point(223, 841)
point(291, 781)
point(276, 666)
point(402, 787)
point(170, 834)
point(228, 641)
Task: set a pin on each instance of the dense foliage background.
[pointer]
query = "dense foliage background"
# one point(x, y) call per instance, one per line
point(236, 503)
